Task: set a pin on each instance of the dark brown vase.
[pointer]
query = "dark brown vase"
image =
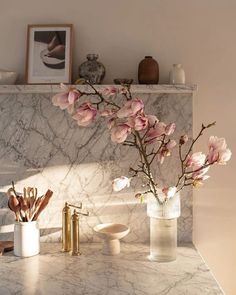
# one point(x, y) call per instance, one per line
point(148, 71)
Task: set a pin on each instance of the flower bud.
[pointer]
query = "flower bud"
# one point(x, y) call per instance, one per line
point(183, 139)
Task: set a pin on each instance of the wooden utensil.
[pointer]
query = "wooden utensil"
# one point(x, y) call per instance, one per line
point(43, 204)
point(11, 192)
point(36, 206)
point(14, 205)
point(24, 207)
point(6, 246)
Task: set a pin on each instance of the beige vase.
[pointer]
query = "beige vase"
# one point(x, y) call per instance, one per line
point(177, 75)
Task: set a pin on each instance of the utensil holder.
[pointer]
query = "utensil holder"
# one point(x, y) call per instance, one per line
point(26, 239)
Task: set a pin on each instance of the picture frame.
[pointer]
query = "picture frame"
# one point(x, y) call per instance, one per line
point(49, 54)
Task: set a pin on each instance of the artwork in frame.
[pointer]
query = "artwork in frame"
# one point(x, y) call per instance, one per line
point(49, 54)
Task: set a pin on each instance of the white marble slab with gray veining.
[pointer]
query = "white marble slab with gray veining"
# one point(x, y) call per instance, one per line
point(56, 273)
point(165, 88)
point(41, 146)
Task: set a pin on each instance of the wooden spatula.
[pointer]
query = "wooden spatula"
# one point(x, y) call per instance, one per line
point(43, 204)
point(6, 246)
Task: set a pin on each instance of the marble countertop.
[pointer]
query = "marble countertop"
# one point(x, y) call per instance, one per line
point(161, 88)
point(53, 272)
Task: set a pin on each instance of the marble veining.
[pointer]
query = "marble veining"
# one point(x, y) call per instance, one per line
point(92, 273)
point(41, 145)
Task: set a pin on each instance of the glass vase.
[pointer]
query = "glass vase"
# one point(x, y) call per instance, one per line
point(92, 70)
point(163, 228)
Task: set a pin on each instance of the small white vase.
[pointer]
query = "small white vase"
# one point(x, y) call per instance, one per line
point(163, 227)
point(26, 239)
point(7, 77)
point(177, 75)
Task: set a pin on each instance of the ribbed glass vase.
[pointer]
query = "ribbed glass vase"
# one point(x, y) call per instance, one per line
point(163, 228)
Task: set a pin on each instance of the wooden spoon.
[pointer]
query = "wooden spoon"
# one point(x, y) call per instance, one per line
point(14, 205)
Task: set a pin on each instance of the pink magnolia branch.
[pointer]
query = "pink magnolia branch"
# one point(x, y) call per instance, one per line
point(130, 126)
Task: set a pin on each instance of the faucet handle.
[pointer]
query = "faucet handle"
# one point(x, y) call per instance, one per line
point(87, 213)
point(80, 206)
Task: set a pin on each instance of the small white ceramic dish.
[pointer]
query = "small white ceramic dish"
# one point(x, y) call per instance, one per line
point(111, 233)
point(7, 77)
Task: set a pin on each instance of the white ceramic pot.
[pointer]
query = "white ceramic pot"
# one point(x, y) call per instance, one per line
point(7, 77)
point(26, 239)
point(177, 74)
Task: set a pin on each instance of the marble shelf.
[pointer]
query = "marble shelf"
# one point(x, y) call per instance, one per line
point(53, 272)
point(18, 89)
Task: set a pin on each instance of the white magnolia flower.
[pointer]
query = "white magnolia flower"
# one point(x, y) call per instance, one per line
point(120, 183)
point(169, 191)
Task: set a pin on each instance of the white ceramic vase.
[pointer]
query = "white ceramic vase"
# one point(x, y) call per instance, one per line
point(26, 239)
point(177, 74)
point(7, 77)
point(163, 228)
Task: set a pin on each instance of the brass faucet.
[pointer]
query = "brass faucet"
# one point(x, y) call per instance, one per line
point(66, 226)
point(70, 228)
point(75, 242)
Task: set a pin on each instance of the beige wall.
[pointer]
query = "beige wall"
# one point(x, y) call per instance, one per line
point(201, 35)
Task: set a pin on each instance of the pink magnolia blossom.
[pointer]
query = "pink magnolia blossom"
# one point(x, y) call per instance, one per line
point(131, 108)
point(85, 114)
point(138, 122)
point(110, 91)
point(152, 120)
point(120, 132)
point(111, 123)
point(171, 144)
point(67, 98)
point(169, 191)
point(120, 183)
point(200, 173)
point(107, 112)
point(170, 129)
point(218, 151)
point(224, 156)
point(155, 132)
point(165, 151)
point(216, 143)
point(196, 160)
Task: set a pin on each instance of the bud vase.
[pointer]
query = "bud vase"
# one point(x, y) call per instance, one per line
point(92, 70)
point(148, 71)
point(177, 75)
point(26, 239)
point(163, 228)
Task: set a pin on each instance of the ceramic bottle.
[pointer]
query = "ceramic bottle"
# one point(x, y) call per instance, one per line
point(148, 71)
point(177, 74)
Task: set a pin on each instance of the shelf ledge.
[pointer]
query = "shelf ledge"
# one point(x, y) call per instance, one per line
point(164, 88)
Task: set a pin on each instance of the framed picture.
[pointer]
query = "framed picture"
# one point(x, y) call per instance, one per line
point(49, 54)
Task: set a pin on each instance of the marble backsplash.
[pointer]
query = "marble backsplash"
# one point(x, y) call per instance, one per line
point(41, 146)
